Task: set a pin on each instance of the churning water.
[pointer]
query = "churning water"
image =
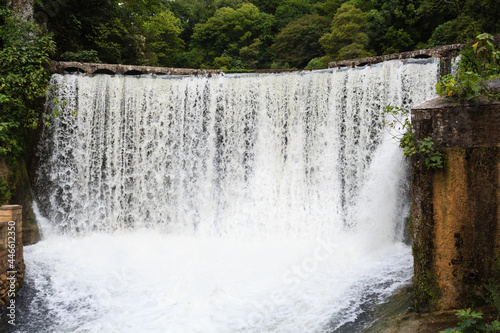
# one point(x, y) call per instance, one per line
point(251, 203)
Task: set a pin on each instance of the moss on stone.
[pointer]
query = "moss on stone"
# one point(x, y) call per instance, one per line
point(16, 179)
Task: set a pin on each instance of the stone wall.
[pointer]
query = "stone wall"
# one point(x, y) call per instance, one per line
point(91, 68)
point(455, 215)
point(11, 253)
point(435, 52)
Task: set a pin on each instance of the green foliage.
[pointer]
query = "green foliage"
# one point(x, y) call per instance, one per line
point(463, 86)
point(328, 8)
point(484, 12)
point(456, 30)
point(81, 56)
point(280, 65)
point(115, 30)
point(110, 40)
point(224, 62)
point(353, 51)
point(230, 30)
point(395, 27)
point(252, 55)
point(408, 141)
point(291, 10)
point(488, 55)
point(348, 36)
point(23, 81)
point(235, 4)
point(192, 33)
point(298, 42)
point(6, 192)
point(163, 46)
point(267, 6)
point(396, 40)
point(471, 322)
point(316, 63)
point(475, 68)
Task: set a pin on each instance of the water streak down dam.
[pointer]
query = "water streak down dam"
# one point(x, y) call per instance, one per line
point(235, 203)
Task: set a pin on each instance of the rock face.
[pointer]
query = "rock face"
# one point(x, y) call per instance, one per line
point(455, 215)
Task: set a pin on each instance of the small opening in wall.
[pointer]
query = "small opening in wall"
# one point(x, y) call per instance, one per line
point(422, 56)
point(73, 70)
point(132, 72)
point(104, 71)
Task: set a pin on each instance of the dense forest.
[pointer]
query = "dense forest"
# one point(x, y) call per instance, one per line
point(249, 34)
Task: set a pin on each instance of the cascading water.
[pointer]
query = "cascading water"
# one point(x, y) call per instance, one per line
point(261, 203)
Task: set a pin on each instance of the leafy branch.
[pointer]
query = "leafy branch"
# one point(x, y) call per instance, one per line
point(477, 64)
point(471, 321)
point(407, 140)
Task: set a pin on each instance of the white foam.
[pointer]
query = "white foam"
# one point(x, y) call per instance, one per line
point(143, 281)
point(268, 203)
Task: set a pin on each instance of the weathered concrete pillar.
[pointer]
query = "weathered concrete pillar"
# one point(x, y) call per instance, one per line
point(11, 252)
point(455, 214)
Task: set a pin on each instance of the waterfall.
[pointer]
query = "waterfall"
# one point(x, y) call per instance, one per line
point(259, 203)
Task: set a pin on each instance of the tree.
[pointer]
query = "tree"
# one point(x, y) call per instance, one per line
point(24, 80)
point(298, 42)
point(291, 10)
point(267, 6)
point(230, 30)
point(396, 27)
point(328, 8)
point(348, 38)
point(235, 4)
point(115, 31)
point(112, 31)
point(191, 12)
point(163, 46)
point(454, 31)
point(457, 14)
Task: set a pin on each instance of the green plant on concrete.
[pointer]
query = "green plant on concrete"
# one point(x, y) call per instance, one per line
point(472, 322)
point(478, 63)
point(487, 54)
point(407, 140)
point(465, 86)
